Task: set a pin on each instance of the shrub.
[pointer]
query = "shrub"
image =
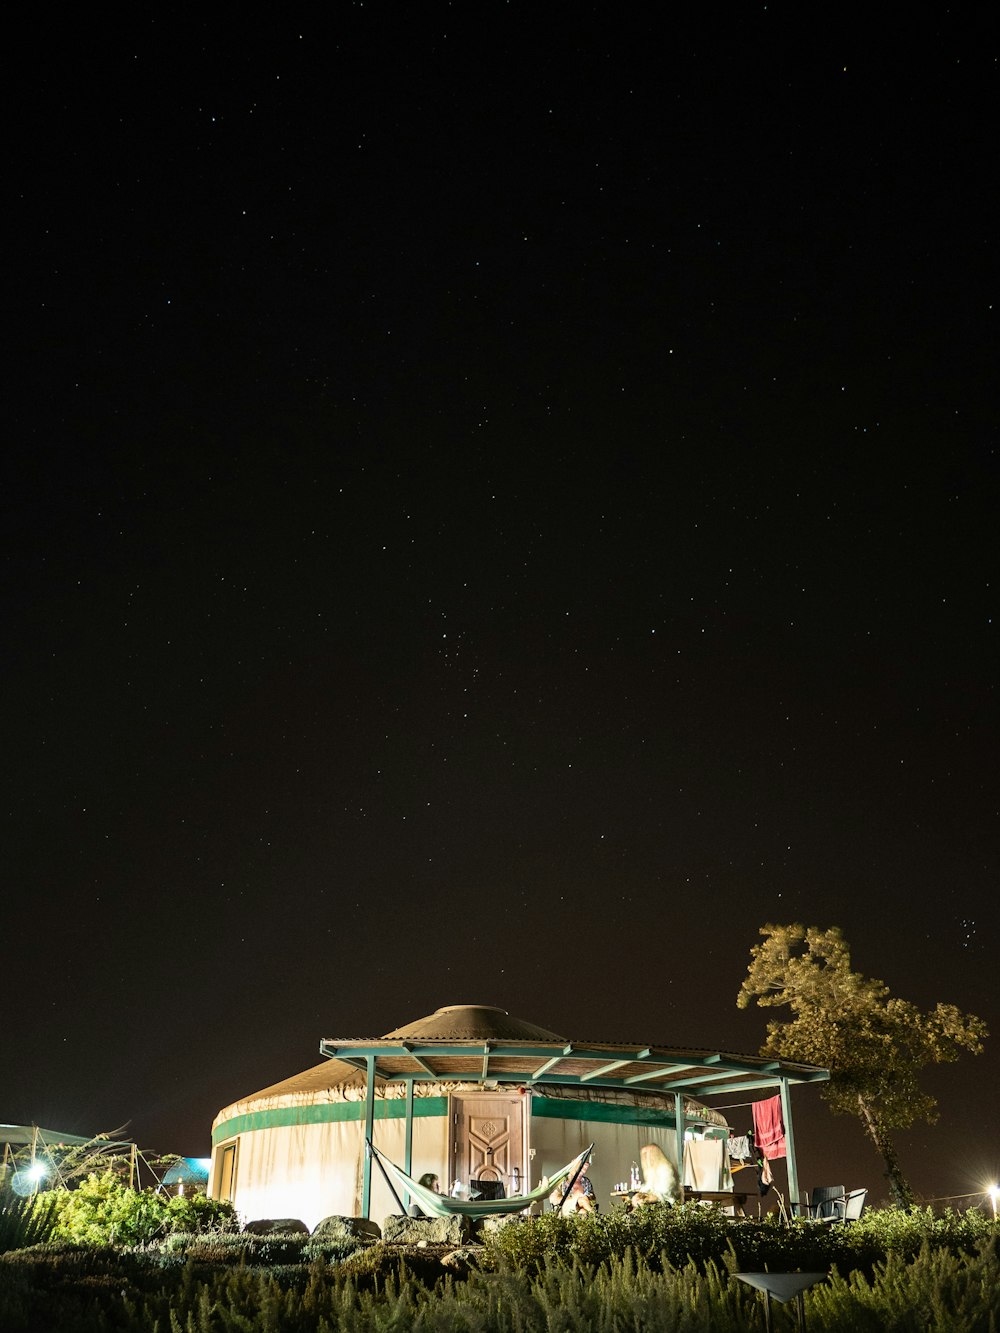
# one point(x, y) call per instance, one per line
point(378, 1266)
point(24, 1221)
point(657, 1234)
point(898, 1231)
point(103, 1210)
point(196, 1212)
point(81, 1291)
point(662, 1234)
point(951, 1283)
point(228, 1248)
point(939, 1289)
point(334, 1250)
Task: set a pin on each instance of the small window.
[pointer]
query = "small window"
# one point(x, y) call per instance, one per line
point(225, 1172)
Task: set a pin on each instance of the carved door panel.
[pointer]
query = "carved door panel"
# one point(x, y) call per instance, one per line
point(488, 1140)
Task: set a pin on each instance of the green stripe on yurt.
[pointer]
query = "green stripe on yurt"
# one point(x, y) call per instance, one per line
point(556, 1108)
point(283, 1116)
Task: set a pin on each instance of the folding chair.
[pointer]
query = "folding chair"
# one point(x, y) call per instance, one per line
point(825, 1202)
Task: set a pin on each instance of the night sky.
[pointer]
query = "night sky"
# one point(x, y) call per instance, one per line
point(499, 501)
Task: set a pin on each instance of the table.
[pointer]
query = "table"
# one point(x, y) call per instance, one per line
point(725, 1198)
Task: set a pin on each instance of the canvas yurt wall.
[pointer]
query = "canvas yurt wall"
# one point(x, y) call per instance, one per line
point(618, 1124)
point(297, 1149)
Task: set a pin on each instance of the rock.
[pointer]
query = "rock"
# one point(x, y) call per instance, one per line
point(276, 1226)
point(497, 1221)
point(399, 1230)
point(464, 1260)
point(340, 1228)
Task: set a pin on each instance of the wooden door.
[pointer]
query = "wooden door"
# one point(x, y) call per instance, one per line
point(488, 1139)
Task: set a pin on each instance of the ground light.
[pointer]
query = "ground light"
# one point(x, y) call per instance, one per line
point(28, 1179)
point(994, 1193)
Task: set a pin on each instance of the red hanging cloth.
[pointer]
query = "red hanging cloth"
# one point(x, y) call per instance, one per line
point(769, 1127)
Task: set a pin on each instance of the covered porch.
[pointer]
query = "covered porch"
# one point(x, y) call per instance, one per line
point(678, 1076)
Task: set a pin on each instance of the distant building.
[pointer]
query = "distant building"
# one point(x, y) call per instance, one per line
point(189, 1175)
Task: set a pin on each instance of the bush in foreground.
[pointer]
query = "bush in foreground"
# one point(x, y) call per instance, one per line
point(135, 1292)
point(661, 1269)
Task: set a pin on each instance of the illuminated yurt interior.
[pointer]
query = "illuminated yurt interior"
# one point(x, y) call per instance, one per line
point(471, 1093)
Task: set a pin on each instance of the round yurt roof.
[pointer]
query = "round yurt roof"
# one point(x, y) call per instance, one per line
point(473, 1022)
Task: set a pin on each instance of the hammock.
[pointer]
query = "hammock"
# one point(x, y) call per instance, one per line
point(442, 1205)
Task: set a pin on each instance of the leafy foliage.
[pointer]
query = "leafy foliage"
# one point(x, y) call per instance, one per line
point(242, 1248)
point(659, 1233)
point(103, 1210)
point(662, 1235)
point(333, 1250)
point(936, 1289)
point(874, 1044)
point(906, 1232)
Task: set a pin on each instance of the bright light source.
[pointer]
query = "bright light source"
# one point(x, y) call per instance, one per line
point(994, 1192)
point(27, 1179)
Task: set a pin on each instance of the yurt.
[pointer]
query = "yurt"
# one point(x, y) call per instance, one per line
point(480, 1098)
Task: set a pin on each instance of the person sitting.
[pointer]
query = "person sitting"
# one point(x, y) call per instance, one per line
point(576, 1198)
point(430, 1182)
point(660, 1182)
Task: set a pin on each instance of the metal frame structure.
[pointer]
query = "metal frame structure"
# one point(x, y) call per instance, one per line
point(44, 1140)
point(528, 1064)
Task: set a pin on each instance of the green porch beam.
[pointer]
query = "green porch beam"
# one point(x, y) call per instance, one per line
point(615, 1064)
point(408, 1144)
point(356, 1062)
point(790, 1162)
point(701, 1079)
point(366, 1183)
point(774, 1082)
point(680, 1125)
point(675, 1059)
point(543, 1069)
point(575, 1081)
point(422, 1063)
point(605, 1069)
point(664, 1071)
point(686, 1072)
point(750, 1085)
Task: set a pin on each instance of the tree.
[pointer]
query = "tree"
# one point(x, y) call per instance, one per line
point(874, 1045)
